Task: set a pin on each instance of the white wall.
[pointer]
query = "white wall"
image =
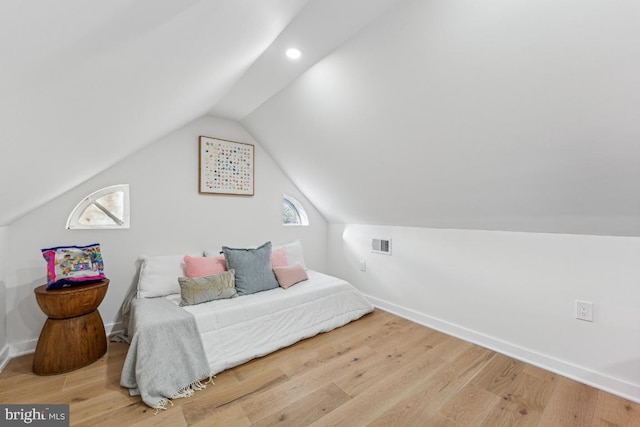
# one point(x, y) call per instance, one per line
point(168, 216)
point(4, 348)
point(513, 292)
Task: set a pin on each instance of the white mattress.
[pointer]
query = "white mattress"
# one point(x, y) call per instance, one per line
point(239, 329)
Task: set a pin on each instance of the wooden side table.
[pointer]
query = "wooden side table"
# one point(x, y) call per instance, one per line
point(73, 335)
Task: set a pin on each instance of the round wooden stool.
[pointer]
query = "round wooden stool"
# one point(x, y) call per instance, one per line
point(73, 335)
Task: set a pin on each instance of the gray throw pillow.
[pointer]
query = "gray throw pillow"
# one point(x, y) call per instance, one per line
point(196, 290)
point(252, 267)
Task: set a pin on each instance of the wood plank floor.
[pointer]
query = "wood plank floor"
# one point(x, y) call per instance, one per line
point(381, 370)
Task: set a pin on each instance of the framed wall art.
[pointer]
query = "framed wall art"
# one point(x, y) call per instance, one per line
point(226, 167)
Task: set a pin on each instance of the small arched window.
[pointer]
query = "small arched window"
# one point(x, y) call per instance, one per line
point(292, 212)
point(105, 208)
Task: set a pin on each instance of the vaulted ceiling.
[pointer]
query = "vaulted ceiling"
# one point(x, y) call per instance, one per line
point(485, 114)
point(83, 83)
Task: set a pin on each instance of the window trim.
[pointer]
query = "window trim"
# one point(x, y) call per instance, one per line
point(299, 209)
point(73, 221)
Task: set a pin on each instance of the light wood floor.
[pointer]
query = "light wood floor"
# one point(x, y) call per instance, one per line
point(381, 370)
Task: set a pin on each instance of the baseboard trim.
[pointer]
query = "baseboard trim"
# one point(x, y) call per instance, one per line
point(581, 374)
point(113, 329)
point(29, 346)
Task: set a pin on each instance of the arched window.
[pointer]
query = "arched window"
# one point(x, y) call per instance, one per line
point(292, 212)
point(105, 208)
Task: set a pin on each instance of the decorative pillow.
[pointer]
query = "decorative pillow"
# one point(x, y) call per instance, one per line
point(204, 266)
point(279, 257)
point(292, 253)
point(290, 275)
point(73, 265)
point(196, 290)
point(159, 274)
point(252, 267)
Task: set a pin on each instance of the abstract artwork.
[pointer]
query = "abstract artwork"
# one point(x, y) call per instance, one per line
point(226, 167)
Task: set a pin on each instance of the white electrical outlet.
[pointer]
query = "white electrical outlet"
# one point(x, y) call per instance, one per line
point(363, 265)
point(584, 310)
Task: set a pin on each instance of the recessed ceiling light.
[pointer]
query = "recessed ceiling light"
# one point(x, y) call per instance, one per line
point(293, 53)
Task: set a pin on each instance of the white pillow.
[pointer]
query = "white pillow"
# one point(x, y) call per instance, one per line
point(213, 252)
point(294, 253)
point(159, 275)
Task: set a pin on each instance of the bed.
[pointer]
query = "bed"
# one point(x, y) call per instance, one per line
point(237, 330)
point(173, 348)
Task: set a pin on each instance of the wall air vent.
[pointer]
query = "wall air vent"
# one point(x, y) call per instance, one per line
point(381, 246)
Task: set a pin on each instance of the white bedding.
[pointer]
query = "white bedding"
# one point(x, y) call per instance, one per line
point(236, 330)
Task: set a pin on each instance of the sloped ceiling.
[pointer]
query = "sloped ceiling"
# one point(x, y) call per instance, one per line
point(83, 83)
point(486, 114)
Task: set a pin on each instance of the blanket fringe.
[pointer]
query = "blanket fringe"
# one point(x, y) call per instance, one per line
point(162, 405)
point(187, 391)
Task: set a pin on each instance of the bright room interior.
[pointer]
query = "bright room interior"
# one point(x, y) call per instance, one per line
point(494, 143)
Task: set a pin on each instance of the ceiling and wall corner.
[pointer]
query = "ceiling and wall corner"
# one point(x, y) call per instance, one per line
point(319, 28)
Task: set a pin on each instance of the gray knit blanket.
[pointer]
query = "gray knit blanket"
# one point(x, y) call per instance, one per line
point(166, 359)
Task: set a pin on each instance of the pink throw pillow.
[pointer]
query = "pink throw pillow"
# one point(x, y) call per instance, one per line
point(290, 275)
point(204, 266)
point(279, 257)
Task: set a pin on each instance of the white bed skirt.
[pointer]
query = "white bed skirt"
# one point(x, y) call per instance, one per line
point(237, 330)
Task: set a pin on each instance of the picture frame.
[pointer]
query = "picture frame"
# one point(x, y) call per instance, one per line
point(226, 167)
